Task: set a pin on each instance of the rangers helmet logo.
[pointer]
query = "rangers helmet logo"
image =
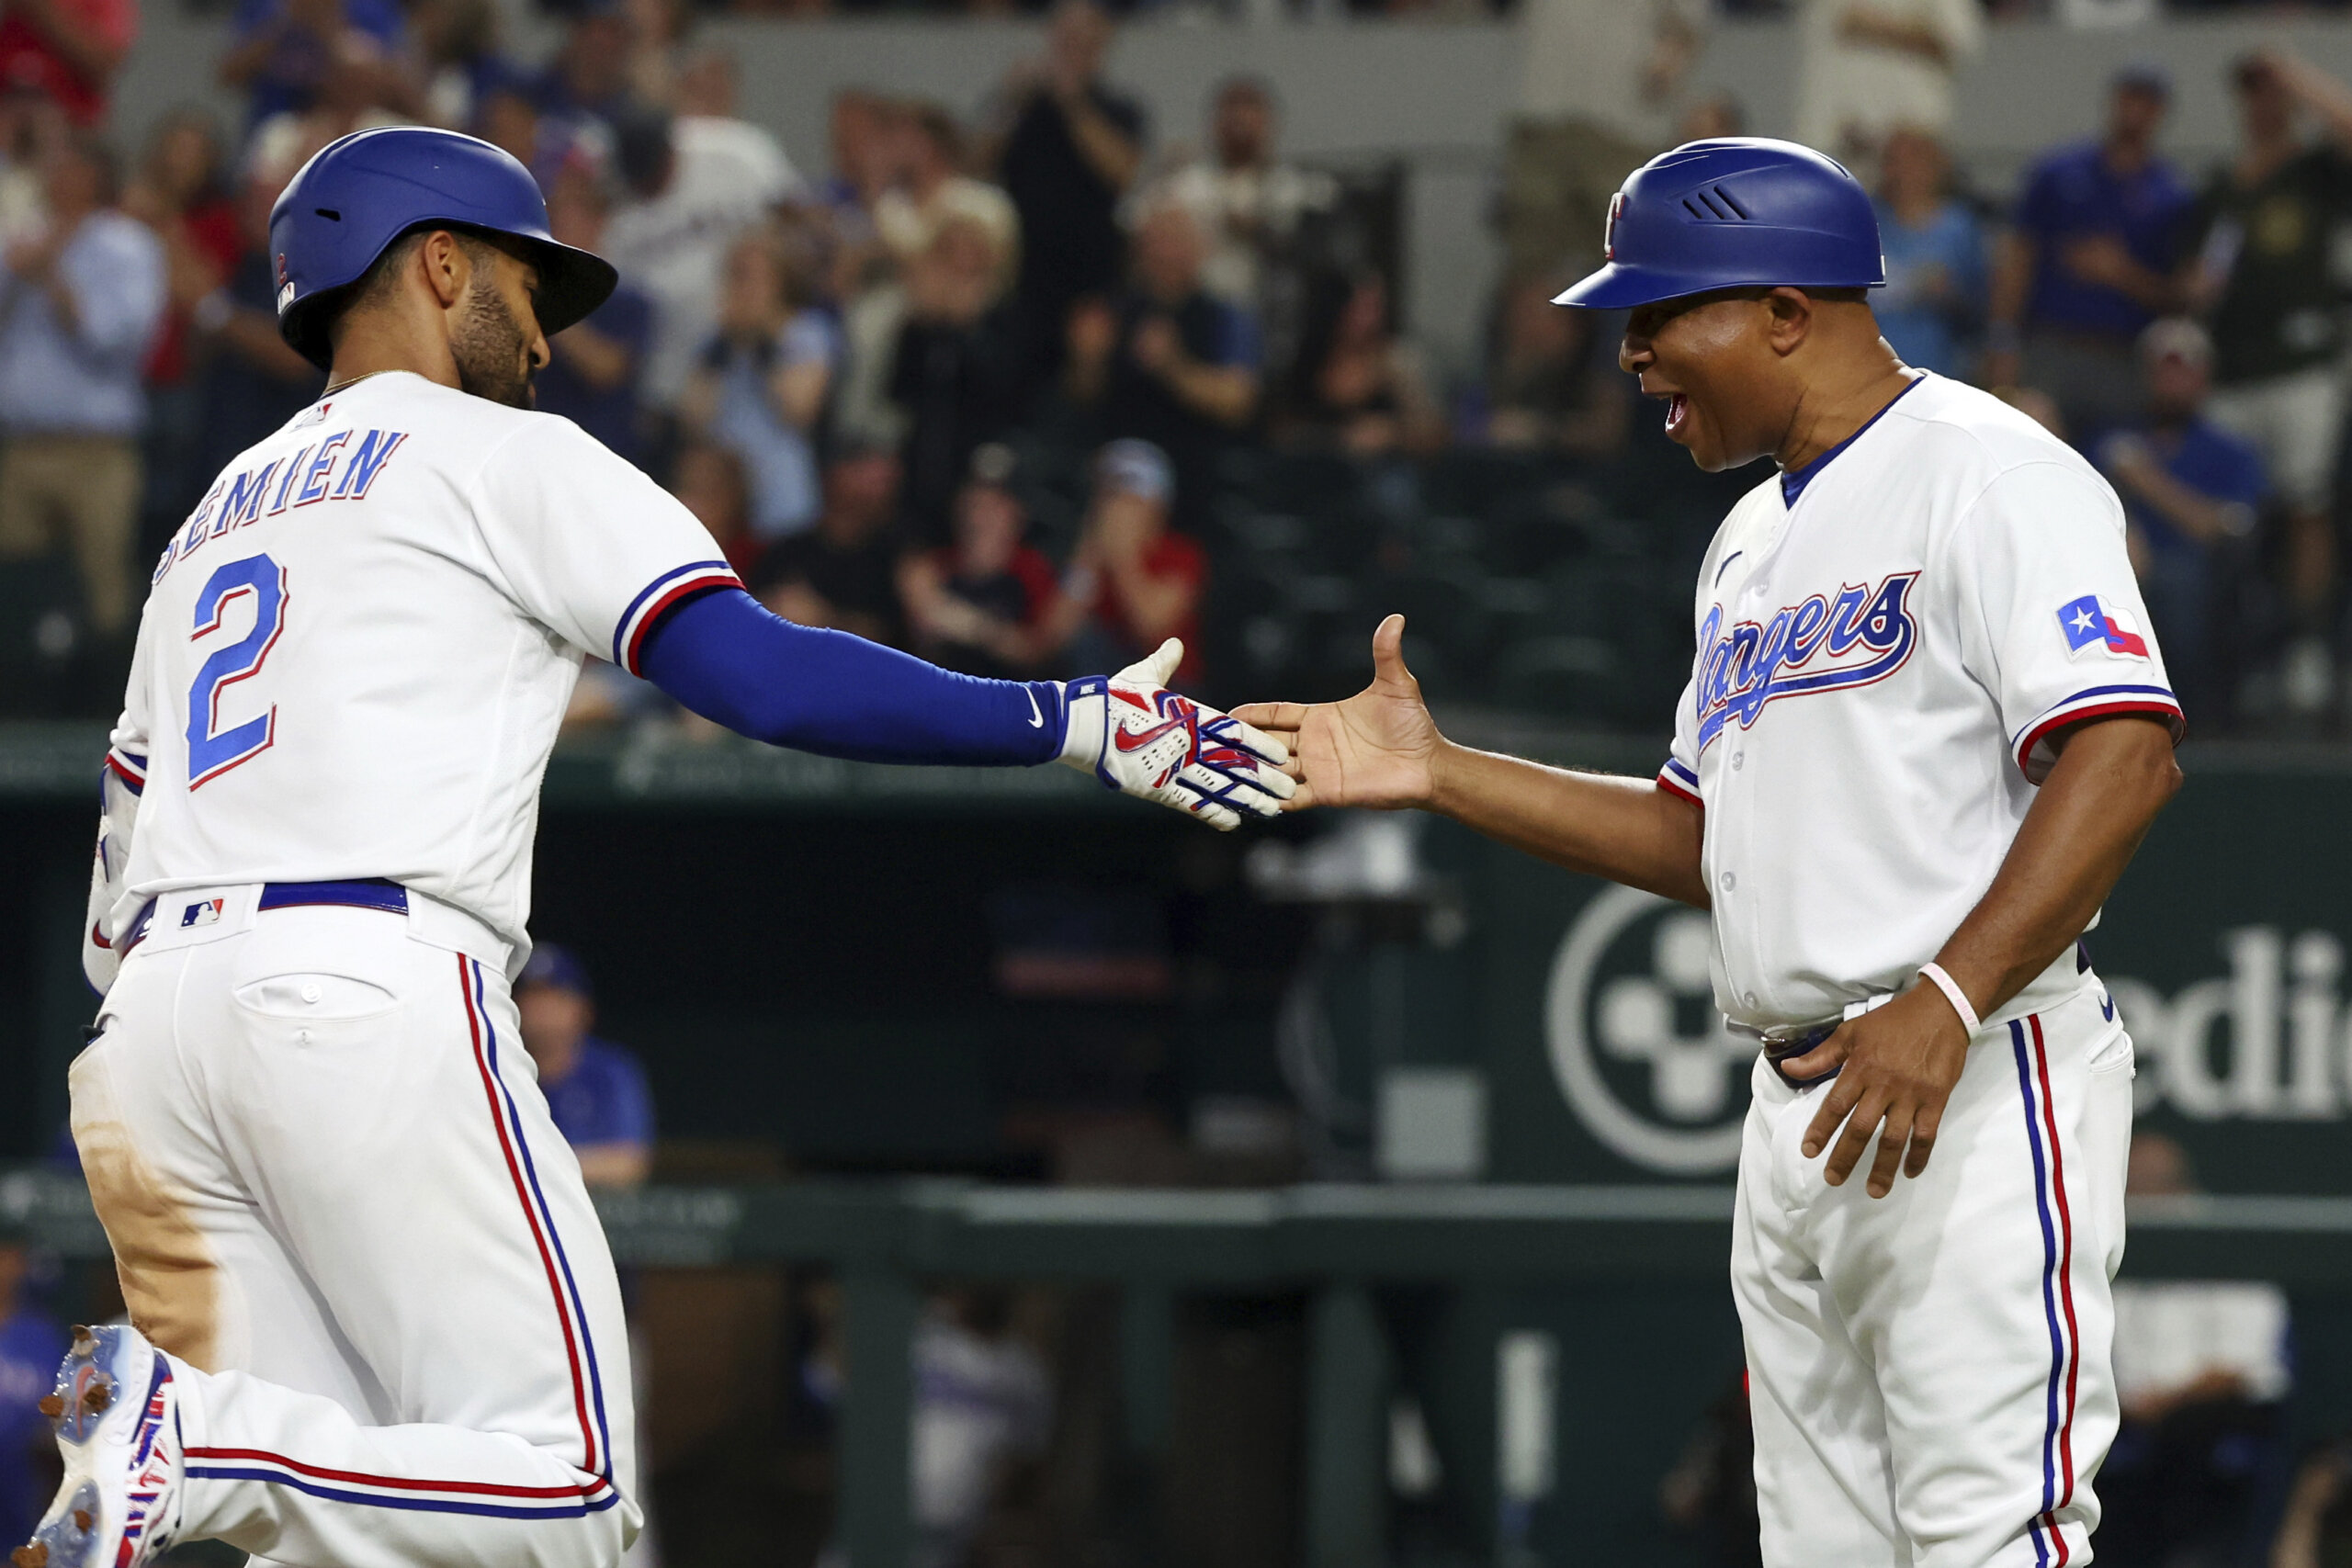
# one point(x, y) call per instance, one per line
point(1608, 231)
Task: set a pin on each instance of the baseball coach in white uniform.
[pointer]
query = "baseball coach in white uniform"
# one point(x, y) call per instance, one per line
point(1925, 730)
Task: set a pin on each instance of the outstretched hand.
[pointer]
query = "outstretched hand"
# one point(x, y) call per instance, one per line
point(1378, 748)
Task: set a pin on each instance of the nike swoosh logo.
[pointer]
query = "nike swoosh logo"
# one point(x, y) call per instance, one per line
point(1037, 719)
point(1138, 739)
point(2107, 1008)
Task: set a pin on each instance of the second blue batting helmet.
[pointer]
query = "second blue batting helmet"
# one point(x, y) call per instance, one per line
point(362, 192)
point(1738, 212)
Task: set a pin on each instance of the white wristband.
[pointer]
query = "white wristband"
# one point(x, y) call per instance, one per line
point(1952, 994)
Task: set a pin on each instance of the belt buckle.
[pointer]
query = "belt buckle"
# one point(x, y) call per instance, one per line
point(1788, 1046)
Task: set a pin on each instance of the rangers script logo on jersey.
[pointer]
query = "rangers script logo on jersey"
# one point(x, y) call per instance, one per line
point(1862, 635)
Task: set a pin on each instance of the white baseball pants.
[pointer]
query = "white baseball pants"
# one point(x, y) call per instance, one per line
point(336, 1200)
point(1929, 1371)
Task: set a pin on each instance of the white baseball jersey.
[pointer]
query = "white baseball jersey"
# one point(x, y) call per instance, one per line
point(1886, 643)
point(358, 649)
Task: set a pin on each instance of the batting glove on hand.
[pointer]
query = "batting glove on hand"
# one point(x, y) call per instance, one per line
point(1141, 738)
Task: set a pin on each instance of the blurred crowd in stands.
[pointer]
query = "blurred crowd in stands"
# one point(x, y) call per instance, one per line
point(1027, 390)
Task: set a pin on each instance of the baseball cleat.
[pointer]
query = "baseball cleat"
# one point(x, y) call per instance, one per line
point(117, 1416)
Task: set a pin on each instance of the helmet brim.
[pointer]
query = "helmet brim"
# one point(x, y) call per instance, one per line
point(1618, 287)
point(573, 283)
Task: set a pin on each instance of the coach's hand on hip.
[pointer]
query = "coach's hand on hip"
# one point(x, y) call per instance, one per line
point(1900, 1063)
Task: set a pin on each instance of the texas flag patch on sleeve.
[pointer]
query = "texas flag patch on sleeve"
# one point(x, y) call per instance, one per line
point(2089, 624)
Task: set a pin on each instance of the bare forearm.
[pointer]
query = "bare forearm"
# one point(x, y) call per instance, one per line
point(2093, 810)
point(2323, 94)
point(1866, 24)
point(2152, 290)
point(1102, 144)
point(252, 336)
point(2199, 517)
point(1223, 393)
point(1155, 608)
point(1627, 831)
point(799, 393)
point(602, 362)
point(244, 62)
point(2012, 278)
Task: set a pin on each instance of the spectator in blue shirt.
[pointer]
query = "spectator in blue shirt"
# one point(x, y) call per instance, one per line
point(1934, 257)
point(592, 377)
point(29, 1347)
point(79, 304)
point(2090, 262)
point(2191, 490)
point(766, 377)
point(596, 1090)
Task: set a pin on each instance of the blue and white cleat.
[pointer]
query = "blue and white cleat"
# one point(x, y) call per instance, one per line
point(117, 1416)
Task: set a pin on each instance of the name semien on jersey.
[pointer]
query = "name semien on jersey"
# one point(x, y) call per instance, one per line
point(339, 466)
point(1862, 635)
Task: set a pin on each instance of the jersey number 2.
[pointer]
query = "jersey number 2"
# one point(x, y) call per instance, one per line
point(212, 751)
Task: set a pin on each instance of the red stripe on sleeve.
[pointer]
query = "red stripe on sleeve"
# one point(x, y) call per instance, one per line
point(2169, 712)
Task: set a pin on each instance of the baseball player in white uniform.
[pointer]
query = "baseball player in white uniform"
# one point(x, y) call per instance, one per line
point(375, 1320)
point(1926, 728)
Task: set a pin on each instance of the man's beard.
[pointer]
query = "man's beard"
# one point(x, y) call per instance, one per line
point(490, 348)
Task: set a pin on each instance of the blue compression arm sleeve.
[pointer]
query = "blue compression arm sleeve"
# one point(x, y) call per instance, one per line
point(729, 659)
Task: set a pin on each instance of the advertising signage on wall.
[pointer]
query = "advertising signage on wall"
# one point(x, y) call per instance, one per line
point(2224, 950)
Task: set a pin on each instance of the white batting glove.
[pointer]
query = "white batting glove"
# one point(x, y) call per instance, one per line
point(1141, 738)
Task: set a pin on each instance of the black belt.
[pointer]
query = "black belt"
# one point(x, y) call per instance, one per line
point(377, 893)
point(1779, 1053)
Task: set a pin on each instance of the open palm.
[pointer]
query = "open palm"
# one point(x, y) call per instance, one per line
point(1375, 749)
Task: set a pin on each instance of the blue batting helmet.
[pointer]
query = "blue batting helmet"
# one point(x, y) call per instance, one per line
point(364, 191)
point(1738, 212)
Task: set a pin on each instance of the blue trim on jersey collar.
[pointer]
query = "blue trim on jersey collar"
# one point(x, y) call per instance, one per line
point(1793, 484)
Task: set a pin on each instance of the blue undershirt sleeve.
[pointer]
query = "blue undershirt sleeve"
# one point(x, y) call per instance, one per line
point(728, 659)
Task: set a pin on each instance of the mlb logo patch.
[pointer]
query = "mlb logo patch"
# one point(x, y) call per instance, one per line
point(1608, 228)
point(201, 914)
point(2090, 623)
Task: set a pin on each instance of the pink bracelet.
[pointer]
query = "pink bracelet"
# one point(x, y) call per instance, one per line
point(1952, 994)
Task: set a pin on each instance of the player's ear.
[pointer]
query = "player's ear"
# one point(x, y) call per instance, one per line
point(447, 267)
point(1789, 319)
